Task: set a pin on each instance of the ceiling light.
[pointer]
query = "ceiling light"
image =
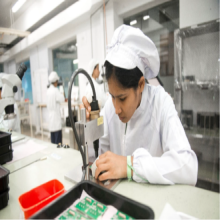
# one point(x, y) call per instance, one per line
point(133, 22)
point(146, 17)
point(17, 5)
point(75, 61)
point(76, 45)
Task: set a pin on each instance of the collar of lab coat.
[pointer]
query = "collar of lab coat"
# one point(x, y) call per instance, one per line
point(142, 105)
point(94, 81)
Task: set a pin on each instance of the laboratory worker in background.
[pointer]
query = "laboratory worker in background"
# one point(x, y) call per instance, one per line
point(13, 124)
point(101, 95)
point(144, 139)
point(54, 98)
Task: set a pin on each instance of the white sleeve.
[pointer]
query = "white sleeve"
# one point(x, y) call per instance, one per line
point(89, 93)
point(178, 164)
point(59, 96)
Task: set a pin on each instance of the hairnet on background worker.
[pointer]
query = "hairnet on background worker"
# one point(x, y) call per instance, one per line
point(54, 98)
point(53, 77)
point(143, 136)
point(99, 88)
point(93, 65)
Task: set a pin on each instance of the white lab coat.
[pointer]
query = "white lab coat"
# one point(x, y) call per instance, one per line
point(155, 137)
point(101, 95)
point(11, 124)
point(54, 98)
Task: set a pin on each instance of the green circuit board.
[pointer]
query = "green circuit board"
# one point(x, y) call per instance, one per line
point(92, 208)
point(121, 215)
point(71, 214)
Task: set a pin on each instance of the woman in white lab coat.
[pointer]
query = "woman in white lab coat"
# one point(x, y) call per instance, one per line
point(144, 139)
point(54, 98)
point(99, 88)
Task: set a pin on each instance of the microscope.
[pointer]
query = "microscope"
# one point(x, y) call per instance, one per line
point(86, 131)
point(10, 86)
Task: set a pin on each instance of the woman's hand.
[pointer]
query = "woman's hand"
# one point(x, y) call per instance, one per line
point(114, 165)
point(86, 105)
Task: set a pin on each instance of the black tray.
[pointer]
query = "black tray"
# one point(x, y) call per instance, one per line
point(105, 196)
point(4, 158)
point(4, 197)
point(4, 179)
point(5, 138)
point(5, 148)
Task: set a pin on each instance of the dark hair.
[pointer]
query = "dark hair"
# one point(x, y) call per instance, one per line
point(127, 78)
point(95, 66)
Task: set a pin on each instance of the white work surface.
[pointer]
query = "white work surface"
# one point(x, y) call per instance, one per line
point(199, 203)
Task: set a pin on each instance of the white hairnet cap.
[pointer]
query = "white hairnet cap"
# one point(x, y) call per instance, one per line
point(92, 64)
point(131, 48)
point(53, 77)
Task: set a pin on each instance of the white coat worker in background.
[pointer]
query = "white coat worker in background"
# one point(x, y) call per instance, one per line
point(143, 136)
point(99, 88)
point(54, 98)
point(12, 124)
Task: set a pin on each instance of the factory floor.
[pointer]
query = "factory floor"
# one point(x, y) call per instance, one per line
point(25, 129)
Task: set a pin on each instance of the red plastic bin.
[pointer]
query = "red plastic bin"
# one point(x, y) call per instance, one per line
point(37, 198)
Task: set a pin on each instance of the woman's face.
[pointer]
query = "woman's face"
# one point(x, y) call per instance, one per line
point(96, 72)
point(125, 100)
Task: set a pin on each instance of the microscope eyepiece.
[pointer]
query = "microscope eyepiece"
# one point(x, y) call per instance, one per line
point(21, 70)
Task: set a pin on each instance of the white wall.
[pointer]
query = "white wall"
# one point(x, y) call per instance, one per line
point(39, 59)
point(113, 19)
point(36, 11)
point(10, 67)
point(84, 54)
point(193, 12)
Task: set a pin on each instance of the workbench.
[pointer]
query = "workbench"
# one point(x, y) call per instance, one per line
point(30, 172)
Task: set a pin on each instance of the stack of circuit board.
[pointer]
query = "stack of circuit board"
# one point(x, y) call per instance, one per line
point(6, 152)
point(89, 208)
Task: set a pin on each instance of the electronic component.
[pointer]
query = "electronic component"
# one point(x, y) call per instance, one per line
point(72, 214)
point(121, 215)
point(92, 208)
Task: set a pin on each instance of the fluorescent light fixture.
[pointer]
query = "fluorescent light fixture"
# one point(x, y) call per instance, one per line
point(75, 61)
point(146, 17)
point(133, 22)
point(17, 5)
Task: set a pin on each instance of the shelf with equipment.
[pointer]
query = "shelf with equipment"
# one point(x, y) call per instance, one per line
point(25, 113)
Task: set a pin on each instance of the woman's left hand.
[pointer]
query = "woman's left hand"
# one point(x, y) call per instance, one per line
point(115, 166)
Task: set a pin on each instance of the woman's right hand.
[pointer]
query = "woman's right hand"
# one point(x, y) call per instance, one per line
point(86, 105)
